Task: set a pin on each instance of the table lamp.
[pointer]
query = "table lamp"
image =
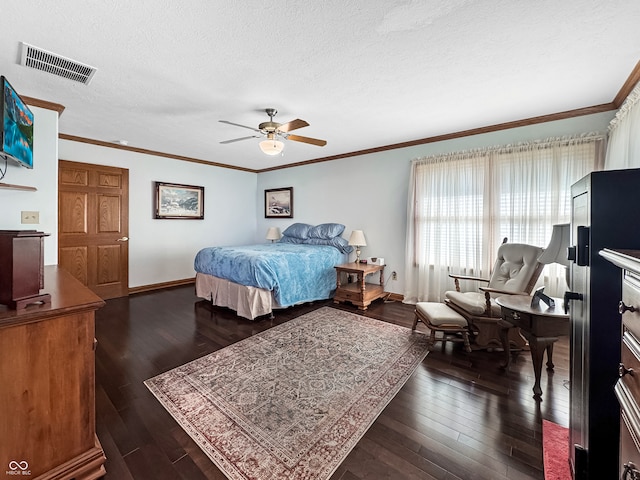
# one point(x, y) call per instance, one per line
point(556, 252)
point(357, 240)
point(273, 234)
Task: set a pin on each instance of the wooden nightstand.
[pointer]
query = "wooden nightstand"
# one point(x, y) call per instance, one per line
point(359, 293)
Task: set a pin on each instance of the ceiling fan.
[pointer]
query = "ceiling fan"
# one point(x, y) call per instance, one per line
point(274, 131)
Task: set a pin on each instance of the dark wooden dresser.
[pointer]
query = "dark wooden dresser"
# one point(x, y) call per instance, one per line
point(627, 388)
point(47, 384)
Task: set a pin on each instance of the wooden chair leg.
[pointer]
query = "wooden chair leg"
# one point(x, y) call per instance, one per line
point(432, 338)
point(467, 344)
point(415, 322)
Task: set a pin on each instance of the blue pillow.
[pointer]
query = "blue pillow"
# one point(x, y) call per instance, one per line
point(337, 242)
point(287, 239)
point(326, 231)
point(297, 230)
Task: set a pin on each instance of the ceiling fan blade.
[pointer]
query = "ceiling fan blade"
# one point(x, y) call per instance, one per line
point(241, 138)
point(238, 125)
point(312, 141)
point(292, 125)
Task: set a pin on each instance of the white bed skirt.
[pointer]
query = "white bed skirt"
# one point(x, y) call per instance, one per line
point(248, 302)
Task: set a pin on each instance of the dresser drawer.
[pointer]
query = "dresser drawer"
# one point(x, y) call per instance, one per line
point(631, 298)
point(629, 432)
point(348, 292)
point(517, 319)
point(630, 358)
point(629, 454)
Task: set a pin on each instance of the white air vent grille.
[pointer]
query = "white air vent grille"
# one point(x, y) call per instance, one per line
point(34, 57)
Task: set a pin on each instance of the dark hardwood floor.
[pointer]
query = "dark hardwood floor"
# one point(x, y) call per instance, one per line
point(459, 416)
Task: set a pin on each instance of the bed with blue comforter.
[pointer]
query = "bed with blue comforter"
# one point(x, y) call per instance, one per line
point(293, 270)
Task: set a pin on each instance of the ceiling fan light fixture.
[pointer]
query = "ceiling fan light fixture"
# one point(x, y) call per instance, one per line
point(271, 146)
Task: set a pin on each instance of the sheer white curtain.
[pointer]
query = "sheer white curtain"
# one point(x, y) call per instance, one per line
point(623, 150)
point(462, 205)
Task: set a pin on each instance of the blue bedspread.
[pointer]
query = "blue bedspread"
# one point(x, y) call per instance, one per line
point(295, 273)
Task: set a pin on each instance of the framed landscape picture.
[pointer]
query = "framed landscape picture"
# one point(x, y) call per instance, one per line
point(278, 203)
point(179, 201)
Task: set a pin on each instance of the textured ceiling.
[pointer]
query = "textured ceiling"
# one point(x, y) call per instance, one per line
point(364, 74)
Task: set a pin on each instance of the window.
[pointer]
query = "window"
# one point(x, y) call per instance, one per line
point(464, 204)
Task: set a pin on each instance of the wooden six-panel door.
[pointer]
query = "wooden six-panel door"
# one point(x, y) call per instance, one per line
point(93, 226)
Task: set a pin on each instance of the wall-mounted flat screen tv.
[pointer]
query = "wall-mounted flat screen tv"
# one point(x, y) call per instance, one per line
point(16, 134)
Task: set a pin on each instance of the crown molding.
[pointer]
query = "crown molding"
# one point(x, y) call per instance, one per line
point(631, 82)
point(35, 102)
point(74, 138)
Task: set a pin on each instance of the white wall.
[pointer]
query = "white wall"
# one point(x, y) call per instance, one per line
point(164, 250)
point(43, 176)
point(370, 192)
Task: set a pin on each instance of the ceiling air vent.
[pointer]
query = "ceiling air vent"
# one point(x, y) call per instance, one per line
point(34, 57)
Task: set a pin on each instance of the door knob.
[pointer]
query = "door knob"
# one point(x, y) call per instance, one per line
point(123, 239)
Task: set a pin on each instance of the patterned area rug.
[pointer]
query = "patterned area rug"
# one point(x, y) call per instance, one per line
point(291, 402)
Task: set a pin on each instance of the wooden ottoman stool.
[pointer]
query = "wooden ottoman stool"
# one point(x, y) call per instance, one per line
point(441, 318)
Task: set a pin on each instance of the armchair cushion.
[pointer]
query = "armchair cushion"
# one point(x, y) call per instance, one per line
point(439, 314)
point(515, 266)
point(472, 302)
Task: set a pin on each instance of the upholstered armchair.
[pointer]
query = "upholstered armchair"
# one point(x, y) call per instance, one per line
point(515, 272)
point(473, 316)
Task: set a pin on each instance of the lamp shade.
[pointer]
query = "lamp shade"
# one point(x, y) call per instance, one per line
point(271, 146)
point(556, 252)
point(357, 239)
point(273, 233)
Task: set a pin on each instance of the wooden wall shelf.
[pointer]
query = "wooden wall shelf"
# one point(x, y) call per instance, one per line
point(17, 187)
